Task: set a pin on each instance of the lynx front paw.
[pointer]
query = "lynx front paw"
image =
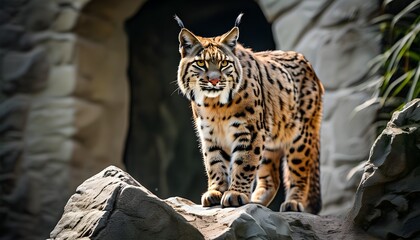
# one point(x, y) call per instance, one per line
point(291, 206)
point(234, 199)
point(211, 198)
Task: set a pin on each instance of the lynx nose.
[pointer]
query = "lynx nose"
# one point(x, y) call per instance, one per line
point(214, 81)
point(213, 78)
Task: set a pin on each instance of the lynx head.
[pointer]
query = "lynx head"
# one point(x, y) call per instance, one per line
point(208, 67)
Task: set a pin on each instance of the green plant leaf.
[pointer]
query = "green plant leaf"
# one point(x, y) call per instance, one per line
point(415, 87)
point(399, 63)
point(394, 84)
point(401, 46)
point(385, 18)
point(403, 84)
point(413, 56)
point(410, 8)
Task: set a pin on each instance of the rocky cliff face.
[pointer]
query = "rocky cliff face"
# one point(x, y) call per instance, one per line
point(388, 199)
point(112, 205)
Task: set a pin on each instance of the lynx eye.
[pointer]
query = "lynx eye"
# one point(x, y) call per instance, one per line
point(200, 63)
point(224, 63)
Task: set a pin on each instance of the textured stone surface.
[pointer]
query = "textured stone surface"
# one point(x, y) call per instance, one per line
point(112, 205)
point(66, 19)
point(24, 71)
point(388, 201)
point(60, 47)
point(34, 148)
point(273, 9)
point(345, 138)
point(47, 133)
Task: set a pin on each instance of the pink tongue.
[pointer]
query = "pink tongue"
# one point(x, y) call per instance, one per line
point(214, 81)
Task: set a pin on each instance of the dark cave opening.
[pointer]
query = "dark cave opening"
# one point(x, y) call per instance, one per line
point(162, 150)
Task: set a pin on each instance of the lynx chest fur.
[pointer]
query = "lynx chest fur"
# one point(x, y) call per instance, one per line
point(253, 111)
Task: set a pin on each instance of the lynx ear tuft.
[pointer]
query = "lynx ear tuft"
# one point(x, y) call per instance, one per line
point(238, 20)
point(231, 38)
point(179, 21)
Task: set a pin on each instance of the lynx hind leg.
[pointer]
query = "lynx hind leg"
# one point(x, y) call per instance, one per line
point(301, 172)
point(268, 177)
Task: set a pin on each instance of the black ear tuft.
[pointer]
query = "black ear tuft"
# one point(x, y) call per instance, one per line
point(238, 20)
point(179, 21)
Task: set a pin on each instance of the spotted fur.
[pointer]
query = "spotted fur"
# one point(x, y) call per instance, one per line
point(251, 111)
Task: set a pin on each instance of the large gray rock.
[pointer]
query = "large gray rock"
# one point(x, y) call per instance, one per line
point(112, 205)
point(388, 199)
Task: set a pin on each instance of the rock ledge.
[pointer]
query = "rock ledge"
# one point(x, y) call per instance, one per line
point(112, 205)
